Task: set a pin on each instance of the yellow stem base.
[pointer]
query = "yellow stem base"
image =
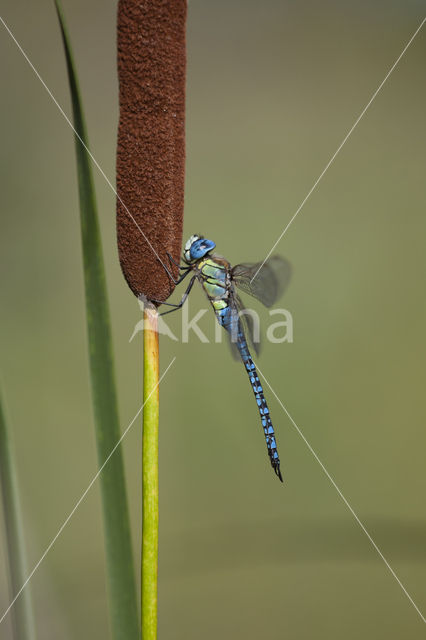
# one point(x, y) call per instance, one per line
point(149, 570)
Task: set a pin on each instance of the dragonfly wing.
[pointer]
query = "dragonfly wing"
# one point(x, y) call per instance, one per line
point(266, 283)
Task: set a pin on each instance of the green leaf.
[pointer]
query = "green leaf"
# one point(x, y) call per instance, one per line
point(120, 570)
point(21, 611)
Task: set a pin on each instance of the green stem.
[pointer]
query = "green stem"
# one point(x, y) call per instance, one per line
point(119, 557)
point(22, 611)
point(149, 571)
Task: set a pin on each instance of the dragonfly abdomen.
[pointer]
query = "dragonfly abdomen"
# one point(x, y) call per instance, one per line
point(262, 405)
point(214, 275)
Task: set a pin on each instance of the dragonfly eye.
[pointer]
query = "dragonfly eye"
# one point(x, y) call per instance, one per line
point(200, 248)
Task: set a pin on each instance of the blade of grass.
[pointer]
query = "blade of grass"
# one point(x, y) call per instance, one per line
point(120, 570)
point(22, 611)
point(149, 567)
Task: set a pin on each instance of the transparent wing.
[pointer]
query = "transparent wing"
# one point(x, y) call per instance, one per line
point(269, 284)
point(249, 325)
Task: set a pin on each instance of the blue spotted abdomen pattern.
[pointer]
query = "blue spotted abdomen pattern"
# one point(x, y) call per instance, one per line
point(214, 278)
point(227, 319)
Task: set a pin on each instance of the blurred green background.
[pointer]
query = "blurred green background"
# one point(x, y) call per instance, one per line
point(273, 88)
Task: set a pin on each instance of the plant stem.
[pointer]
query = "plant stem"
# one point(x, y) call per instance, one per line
point(149, 569)
point(22, 611)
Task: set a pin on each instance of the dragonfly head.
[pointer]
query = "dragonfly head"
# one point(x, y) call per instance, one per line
point(197, 247)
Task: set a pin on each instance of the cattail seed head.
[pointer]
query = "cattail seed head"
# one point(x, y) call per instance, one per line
point(151, 142)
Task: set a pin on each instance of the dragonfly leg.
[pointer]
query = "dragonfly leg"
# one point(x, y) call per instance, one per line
point(184, 297)
point(182, 268)
point(178, 281)
point(168, 304)
point(168, 271)
point(170, 257)
point(181, 277)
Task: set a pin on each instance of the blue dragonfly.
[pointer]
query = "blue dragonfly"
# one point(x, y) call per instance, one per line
point(219, 280)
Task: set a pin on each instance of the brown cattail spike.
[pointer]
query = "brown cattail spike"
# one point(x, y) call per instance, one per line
point(151, 142)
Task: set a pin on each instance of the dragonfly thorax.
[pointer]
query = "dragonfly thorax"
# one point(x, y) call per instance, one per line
point(196, 248)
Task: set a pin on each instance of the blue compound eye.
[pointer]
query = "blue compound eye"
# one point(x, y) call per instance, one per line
point(200, 247)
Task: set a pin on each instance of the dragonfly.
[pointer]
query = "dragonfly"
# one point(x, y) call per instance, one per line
point(265, 282)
